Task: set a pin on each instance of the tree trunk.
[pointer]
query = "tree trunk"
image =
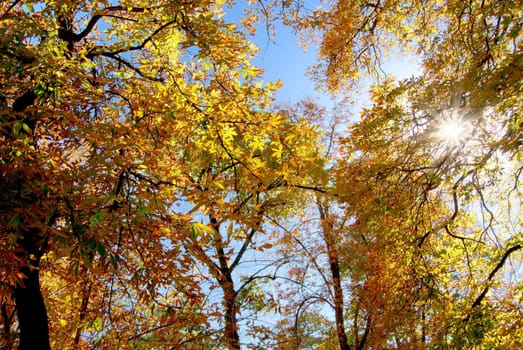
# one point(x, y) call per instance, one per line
point(29, 302)
point(334, 266)
point(232, 336)
point(361, 344)
point(338, 302)
point(231, 322)
point(7, 336)
point(31, 312)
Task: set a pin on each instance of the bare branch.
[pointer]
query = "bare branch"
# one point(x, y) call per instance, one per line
point(256, 275)
point(245, 245)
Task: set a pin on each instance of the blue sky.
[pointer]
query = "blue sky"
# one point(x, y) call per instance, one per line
point(282, 57)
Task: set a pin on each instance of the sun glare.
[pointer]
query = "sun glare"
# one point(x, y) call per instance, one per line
point(453, 131)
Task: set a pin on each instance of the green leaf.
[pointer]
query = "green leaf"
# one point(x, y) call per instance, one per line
point(26, 128)
point(101, 249)
point(15, 220)
point(206, 228)
point(218, 185)
point(97, 324)
point(16, 128)
point(198, 229)
point(95, 219)
point(195, 232)
point(114, 260)
point(91, 244)
point(39, 90)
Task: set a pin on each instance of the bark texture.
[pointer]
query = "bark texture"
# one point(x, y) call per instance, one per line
point(31, 312)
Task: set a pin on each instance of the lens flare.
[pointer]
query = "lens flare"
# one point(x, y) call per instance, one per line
point(454, 130)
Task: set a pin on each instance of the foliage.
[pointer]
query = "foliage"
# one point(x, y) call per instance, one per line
point(154, 197)
point(435, 218)
point(122, 124)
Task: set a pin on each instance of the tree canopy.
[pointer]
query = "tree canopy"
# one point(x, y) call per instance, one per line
point(155, 196)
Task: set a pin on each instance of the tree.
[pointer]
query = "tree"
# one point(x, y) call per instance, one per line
point(238, 176)
point(425, 175)
point(311, 242)
point(143, 163)
point(103, 104)
point(418, 212)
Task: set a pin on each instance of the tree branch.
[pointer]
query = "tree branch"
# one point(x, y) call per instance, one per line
point(13, 4)
point(244, 247)
point(132, 48)
point(500, 264)
point(493, 273)
point(129, 65)
point(76, 37)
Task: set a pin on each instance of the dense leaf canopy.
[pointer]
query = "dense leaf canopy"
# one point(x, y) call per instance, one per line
point(153, 195)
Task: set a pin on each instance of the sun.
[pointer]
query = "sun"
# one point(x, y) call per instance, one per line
point(453, 130)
